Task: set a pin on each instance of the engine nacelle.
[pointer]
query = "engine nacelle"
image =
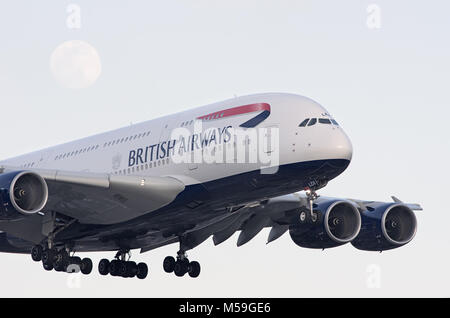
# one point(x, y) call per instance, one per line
point(386, 226)
point(22, 193)
point(339, 223)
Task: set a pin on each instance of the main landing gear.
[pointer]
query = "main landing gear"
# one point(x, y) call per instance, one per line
point(121, 267)
point(181, 265)
point(60, 260)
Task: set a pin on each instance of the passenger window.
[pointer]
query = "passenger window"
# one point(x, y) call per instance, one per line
point(325, 121)
point(303, 123)
point(313, 121)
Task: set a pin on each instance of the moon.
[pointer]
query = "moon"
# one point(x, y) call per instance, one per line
point(75, 64)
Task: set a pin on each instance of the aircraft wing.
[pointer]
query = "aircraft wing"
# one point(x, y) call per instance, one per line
point(250, 219)
point(277, 213)
point(93, 198)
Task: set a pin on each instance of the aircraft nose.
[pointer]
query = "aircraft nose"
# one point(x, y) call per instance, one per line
point(342, 147)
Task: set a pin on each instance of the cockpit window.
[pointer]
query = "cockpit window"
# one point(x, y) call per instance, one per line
point(313, 121)
point(325, 121)
point(303, 123)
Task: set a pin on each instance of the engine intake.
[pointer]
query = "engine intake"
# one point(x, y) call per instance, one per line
point(22, 191)
point(399, 224)
point(339, 223)
point(385, 227)
point(342, 222)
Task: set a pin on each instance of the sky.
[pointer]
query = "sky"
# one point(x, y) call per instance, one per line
point(71, 69)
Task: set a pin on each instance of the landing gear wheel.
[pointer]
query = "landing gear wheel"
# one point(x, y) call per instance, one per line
point(75, 260)
point(86, 266)
point(36, 253)
point(181, 268)
point(122, 269)
point(47, 267)
point(114, 267)
point(303, 217)
point(194, 269)
point(103, 267)
point(59, 266)
point(60, 261)
point(131, 269)
point(48, 257)
point(142, 271)
point(315, 217)
point(169, 264)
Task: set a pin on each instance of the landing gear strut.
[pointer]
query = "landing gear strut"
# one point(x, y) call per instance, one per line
point(60, 259)
point(312, 216)
point(57, 256)
point(122, 267)
point(181, 266)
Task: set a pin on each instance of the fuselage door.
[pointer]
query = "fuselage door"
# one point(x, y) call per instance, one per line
point(271, 135)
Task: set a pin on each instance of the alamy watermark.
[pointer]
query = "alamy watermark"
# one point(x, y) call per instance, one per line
point(214, 145)
point(73, 20)
point(373, 279)
point(373, 20)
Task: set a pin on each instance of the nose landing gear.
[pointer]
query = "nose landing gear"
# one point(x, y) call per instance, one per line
point(312, 217)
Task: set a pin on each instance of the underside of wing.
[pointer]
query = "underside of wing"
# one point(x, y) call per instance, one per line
point(108, 199)
point(92, 198)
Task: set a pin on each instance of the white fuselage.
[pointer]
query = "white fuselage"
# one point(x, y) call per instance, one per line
point(137, 150)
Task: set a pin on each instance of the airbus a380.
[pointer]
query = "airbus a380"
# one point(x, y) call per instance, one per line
point(151, 184)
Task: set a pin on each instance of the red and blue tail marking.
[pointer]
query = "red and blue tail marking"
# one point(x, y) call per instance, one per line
point(264, 108)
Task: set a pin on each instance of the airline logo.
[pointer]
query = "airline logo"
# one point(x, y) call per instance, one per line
point(262, 108)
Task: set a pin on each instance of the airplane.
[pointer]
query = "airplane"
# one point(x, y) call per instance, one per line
point(240, 165)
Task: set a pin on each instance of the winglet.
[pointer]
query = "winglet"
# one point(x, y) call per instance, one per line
point(395, 199)
point(412, 206)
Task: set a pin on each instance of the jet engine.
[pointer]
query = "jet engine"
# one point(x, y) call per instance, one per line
point(22, 193)
point(338, 222)
point(386, 226)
